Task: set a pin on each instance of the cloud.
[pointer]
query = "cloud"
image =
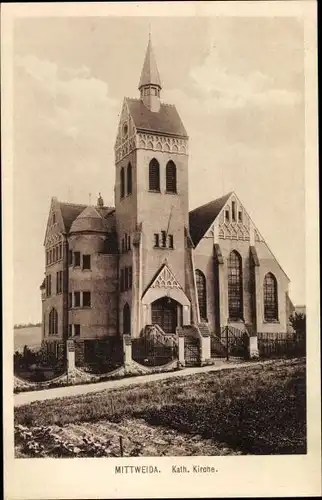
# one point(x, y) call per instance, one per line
point(81, 102)
point(222, 88)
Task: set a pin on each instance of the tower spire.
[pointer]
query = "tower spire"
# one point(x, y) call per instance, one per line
point(150, 82)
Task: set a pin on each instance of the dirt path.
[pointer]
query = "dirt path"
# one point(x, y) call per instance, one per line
point(24, 398)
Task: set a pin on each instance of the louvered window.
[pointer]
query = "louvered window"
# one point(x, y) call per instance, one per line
point(154, 175)
point(171, 177)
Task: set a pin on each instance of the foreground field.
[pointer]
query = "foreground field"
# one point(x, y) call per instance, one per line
point(254, 410)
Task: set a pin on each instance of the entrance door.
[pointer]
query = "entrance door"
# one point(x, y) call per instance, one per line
point(165, 314)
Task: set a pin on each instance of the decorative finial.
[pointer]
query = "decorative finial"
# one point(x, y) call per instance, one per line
point(89, 198)
point(149, 31)
point(100, 202)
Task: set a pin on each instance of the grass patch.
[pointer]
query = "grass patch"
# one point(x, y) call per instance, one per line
point(260, 409)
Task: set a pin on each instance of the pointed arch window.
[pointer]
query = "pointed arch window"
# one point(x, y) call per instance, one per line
point(154, 175)
point(122, 183)
point(235, 286)
point(270, 298)
point(53, 322)
point(202, 294)
point(129, 178)
point(126, 319)
point(171, 177)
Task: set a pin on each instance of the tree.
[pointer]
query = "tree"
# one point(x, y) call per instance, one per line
point(298, 323)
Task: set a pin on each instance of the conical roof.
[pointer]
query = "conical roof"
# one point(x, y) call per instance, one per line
point(89, 220)
point(150, 73)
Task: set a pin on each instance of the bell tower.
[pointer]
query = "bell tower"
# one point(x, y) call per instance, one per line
point(151, 198)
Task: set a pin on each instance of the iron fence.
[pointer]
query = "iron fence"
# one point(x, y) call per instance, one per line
point(100, 355)
point(280, 344)
point(150, 351)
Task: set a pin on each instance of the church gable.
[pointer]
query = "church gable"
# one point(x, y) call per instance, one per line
point(125, 139)
point(55, 224)
point(164, 279)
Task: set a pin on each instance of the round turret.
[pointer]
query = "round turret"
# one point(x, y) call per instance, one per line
point(89, 221)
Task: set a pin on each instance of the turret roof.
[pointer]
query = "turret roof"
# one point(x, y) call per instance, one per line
point(150, 73)
point(89, 220)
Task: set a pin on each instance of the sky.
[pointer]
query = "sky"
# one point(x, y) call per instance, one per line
point(237, 82)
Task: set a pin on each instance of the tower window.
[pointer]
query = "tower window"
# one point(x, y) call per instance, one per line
point(54, 218)
point(156, 240)
point(129, 178)
point(59, 282)
point(164, 238)
point(233, 210)
point(122, 187)
point(70, 300)
point(235, 286)
point(86, 262)
point(227, 215)
point(70, 257)
point(240, 216)
point(86, 299)
point(171, 177)
point(77, 330)
point(170, 240)
point(130, 278)
point(122, 280)
point(154, 175)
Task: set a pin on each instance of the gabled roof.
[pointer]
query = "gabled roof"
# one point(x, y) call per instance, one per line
point(165, 121)
point(150, 73)
point(201, 218)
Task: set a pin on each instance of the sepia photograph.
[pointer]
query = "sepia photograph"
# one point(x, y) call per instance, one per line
point(159, 239)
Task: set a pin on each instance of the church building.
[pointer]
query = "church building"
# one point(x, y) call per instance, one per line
point(149, 260)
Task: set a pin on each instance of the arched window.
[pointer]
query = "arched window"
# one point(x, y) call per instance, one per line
point(53, 322)
point(122, 188)
point(129, 178)
point(171, 177)
point(202, 294)
point(235, 286)
point(154, 175)
point(126, 319)
point(270, 298)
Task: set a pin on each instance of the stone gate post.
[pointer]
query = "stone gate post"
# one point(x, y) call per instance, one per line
point(253, 347)
point(127, 349)
point(205, 353)
point(70, 353)
point(181, 356)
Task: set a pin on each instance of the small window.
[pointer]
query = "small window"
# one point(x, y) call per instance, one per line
point(153, 91)
point(126, 278)
point(240, 216)
point(129, 242)
point(50, 256)
point(122, 280)
point(170, 240)
point(122, 182)
point(76, 299)
point(47, 258)
point(76, 259)
point(86, 299)
point(57, 282)
point(129, 179)
point(54, 218)
point(70, 257)
point(130, 278)
point(146, 91)
point(227, 215)
point(86, 261)
point(70, 330)
point(77, 330)
point(233, 210)
point(164, 239)
point(156, 240)
point(70, 300)
point(60, 251)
